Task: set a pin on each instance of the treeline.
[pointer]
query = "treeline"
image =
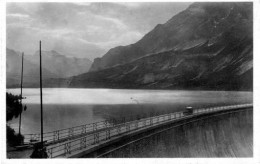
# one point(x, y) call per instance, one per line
point(13, 106)
point(13, 110)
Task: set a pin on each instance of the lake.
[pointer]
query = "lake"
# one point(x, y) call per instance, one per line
point(66, 107)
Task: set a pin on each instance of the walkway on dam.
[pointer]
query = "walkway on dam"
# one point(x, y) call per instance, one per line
point(84, 139)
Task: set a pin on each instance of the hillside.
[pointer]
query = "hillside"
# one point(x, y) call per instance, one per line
point(207, 46)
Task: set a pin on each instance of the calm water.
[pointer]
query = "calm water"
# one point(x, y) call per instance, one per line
point(65, 108)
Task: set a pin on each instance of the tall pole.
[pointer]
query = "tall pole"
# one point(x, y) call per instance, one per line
point(41, 95)
point(20, 118)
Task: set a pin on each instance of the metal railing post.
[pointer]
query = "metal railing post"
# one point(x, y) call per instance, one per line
point(144, 122)
point(136, 124)
point(83, 129)
point(71, 132)
point(56, 135)
point(106, 124)
point(94, 126)
point(119, 129)
point(67, 148)
point(83, 142)
point(127, 127)
point(96, 138)
point(107, 134)
point(49, 152)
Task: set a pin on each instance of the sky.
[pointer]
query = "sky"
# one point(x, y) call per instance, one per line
point(85, 30)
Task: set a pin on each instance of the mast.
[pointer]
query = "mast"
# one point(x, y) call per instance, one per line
point(41, 95)
point(39, 150)
point(20, 118)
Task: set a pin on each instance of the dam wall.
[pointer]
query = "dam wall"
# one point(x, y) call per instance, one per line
point(221, 135)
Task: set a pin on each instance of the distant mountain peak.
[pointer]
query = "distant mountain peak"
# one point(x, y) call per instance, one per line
point(55, 65)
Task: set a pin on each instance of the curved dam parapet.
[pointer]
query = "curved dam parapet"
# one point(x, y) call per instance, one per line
point(103, 139)
point(219, 135)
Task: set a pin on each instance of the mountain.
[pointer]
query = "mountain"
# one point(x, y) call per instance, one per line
point(60, 64)
point(54, 66)
point(31, 70)
point(207, 46)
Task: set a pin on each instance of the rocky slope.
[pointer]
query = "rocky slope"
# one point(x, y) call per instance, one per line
point(207, 46)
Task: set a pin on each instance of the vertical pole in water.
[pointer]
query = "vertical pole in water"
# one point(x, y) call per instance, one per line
point(20, 118)
point(41, 95)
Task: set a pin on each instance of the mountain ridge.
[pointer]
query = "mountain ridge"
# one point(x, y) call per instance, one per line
point(215, 46)
point(54, 65)
point(208, 46)
point(152, 41)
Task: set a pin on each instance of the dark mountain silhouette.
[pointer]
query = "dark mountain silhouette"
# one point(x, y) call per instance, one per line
point(207, 46)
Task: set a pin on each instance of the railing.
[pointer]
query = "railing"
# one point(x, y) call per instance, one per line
point(64, 134)
point(93, 139)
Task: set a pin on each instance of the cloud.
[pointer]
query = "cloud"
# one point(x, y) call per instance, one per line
point(121, 40)
point(82, 29)
point(17, 15)
point(131, 4)
point(18, 19)
point(82, 3)
point(117, 22)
